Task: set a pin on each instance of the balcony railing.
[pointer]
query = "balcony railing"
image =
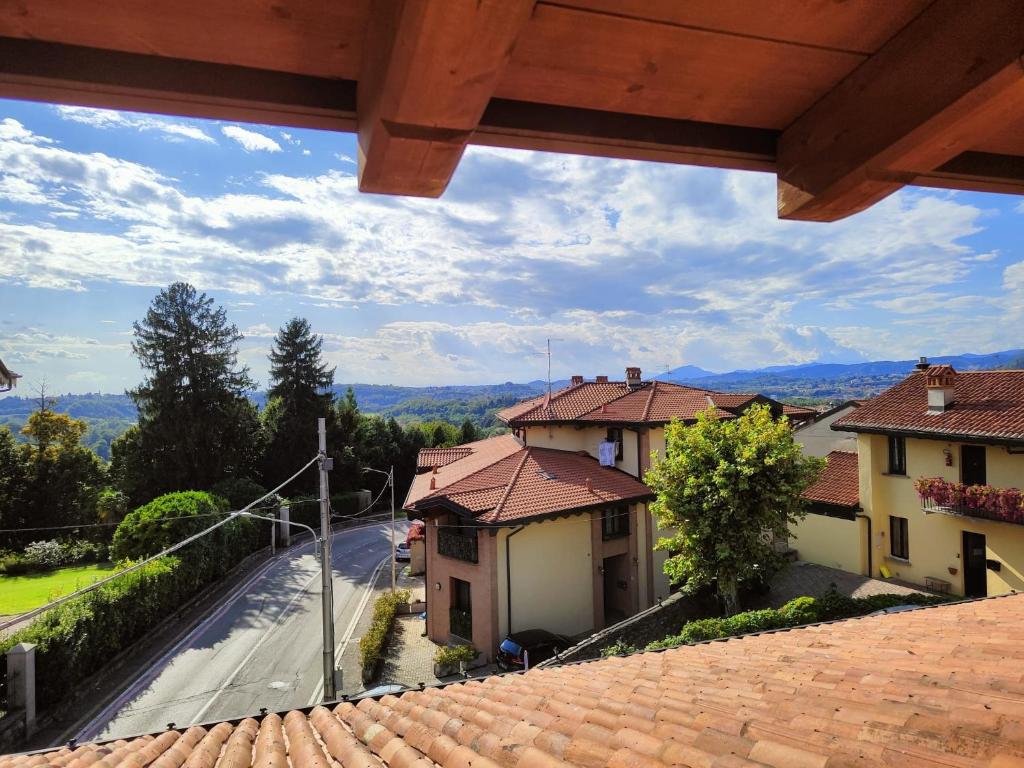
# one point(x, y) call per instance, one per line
point(460, 623)
point(452, 544)
point(1004, 505)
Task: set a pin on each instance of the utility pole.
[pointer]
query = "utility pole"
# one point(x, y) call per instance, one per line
point(391, 479)
point(326, 569)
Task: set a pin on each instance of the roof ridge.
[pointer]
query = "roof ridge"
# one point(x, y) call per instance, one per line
point(511, 482)
point(650, 399)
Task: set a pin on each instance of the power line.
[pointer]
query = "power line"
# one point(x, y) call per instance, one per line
point(173, 548)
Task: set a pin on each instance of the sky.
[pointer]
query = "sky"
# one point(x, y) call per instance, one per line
point(617, 262)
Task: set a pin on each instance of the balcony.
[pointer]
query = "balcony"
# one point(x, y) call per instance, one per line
point(455, 545)
point(1003, 505)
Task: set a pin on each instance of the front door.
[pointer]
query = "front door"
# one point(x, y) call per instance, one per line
point(975, 573)
point(460, 615)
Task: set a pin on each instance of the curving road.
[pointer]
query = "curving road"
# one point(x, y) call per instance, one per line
point(261, 647)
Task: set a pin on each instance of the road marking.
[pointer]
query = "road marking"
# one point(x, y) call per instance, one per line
point(318, 692)
point(95, 726)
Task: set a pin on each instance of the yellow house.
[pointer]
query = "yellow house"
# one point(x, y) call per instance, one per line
point(549, 527)
point(940, 457)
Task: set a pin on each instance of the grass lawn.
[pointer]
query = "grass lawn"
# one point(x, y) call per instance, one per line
point(23, 593)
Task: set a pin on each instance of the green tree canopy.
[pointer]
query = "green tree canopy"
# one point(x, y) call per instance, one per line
point(728, 488)
point(196, 425)
point(164, 521)
point(300, 393)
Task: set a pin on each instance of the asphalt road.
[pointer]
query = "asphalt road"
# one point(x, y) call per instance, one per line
point(262, 647)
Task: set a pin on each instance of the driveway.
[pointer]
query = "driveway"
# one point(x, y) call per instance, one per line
point(262, 647)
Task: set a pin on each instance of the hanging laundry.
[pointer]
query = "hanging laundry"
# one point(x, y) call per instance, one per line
point(606, 451)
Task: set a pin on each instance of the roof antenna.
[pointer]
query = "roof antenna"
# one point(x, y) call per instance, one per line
point(549, 369)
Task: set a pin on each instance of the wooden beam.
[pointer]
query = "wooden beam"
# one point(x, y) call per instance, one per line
point(93, 77)
point(527, 125)
point(979, 172)
point(937, 88)
point(429, 70)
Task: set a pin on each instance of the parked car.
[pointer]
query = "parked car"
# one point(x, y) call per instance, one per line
point(402, 552)
point(538, 644)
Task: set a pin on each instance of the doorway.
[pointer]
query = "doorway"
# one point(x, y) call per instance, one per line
point(616, 589)
point(460, 615)
point(975, 571)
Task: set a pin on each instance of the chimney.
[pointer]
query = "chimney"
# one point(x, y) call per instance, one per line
point(939, 380)
point(433, 484)
point(577, 380)
point(633, 377)
point(601, 379)
point(922, 364)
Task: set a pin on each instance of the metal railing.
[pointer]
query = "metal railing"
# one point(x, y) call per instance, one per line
point(962, 509)
point(459, 547)
point(460, 623)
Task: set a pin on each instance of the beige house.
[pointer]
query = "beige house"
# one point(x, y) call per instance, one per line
point(549, 526)
point(939, 459)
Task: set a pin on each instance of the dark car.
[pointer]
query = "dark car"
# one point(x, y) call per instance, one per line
point(535, 645)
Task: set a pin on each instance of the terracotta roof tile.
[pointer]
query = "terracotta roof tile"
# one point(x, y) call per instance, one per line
point(658, 402)
point(839, 483)
point(480, 454)
point(566, 404)
point(441, 457)
point(533, 482)
point(933, 687)
point(985, 404)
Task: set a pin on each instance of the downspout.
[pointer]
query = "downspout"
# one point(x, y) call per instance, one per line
point(866, 517)
point(508, 574)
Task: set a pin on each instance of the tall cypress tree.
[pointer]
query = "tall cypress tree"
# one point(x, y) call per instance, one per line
point(299, 394)
point(196, 425)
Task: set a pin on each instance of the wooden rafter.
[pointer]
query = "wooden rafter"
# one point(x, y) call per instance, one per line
point(928, 95)
point(429, 70)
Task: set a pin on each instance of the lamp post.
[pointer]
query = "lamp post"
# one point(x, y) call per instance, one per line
point(391, 481)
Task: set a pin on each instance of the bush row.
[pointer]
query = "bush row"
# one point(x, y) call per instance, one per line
point(802, 610)
point(374, 642)
point(79, 637)
point(46, 555)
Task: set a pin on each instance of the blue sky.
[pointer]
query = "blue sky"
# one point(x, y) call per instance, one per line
point(621, 263)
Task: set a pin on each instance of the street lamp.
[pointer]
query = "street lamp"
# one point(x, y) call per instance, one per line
point(391, 481)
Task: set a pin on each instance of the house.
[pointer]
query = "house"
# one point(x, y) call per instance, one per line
point(8, 378)
point(940, 457)
point(816, 436)
point(935, 686)
point(828, 535)
point(549, 526)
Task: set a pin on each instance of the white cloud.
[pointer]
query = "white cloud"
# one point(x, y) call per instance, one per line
point(106, 118)
point(251, 141)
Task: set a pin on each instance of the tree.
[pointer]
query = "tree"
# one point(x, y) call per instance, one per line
point(53, 433)
point(12, 485)
point(467, 432)
point(300, 393)
point(196, 425)
point(728, 488)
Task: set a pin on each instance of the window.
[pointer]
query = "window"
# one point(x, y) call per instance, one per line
point(899, 543)
point(615, 436)
point(614, 522)
point(897, 455)
point(972, 464)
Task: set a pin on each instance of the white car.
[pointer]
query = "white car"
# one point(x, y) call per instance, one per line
point(403, 553)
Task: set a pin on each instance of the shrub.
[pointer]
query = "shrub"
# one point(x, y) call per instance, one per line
point(15, 564)
point(45, 555)
point(452, 656)
point(164, 521)
point(619, 648)
point(239, 491)
point(373, 643)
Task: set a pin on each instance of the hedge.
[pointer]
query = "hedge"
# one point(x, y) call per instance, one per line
point(374, 642)
point(802, 610)
point(82, 635)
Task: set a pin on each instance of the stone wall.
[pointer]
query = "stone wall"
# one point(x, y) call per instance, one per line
point(649, 625)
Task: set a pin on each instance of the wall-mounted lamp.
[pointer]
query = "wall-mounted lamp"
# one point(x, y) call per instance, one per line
point(437, 585)
point(949, 456)
point(600, 569)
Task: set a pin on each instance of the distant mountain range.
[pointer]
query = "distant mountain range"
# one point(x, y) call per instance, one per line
point(109, 415)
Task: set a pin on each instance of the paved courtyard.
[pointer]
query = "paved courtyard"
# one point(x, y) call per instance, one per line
point(802, 578)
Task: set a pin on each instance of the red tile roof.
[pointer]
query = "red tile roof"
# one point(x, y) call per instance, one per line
point(481, 454)
point(441, 457)
point(654, 402)
point(839, 483)
point(986, 404)
point(937, 687)
point(798, 413)
point(535, 482)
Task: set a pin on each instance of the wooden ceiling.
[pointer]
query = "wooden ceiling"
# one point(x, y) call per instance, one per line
point(845, 101)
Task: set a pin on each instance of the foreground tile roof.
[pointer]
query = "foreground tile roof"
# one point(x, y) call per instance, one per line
point(472, 457)
point(935, 687)
point(839, 483)
point(985, 404)
point(534, 482)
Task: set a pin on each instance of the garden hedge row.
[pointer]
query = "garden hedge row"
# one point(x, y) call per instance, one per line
point(374, 642)
point(77, 638)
